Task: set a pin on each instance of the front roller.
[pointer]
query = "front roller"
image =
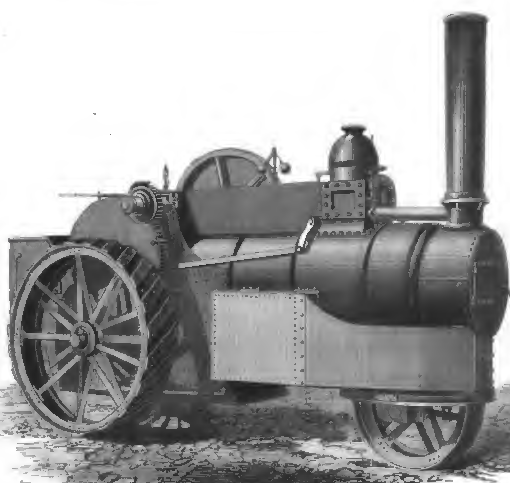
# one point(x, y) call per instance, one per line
point(93, 335)
point(419, 437)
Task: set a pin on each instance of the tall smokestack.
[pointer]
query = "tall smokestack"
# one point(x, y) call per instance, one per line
point(465, 35)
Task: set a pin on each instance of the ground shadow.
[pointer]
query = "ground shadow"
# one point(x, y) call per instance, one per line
point(237, 423)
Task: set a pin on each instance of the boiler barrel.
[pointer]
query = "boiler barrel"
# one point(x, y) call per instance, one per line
point(367, 279)
point(404, 274)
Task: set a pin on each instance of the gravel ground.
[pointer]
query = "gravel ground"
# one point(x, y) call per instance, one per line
point(310, 436)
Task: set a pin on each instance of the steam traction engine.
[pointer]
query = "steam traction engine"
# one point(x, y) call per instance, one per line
point(240, 281)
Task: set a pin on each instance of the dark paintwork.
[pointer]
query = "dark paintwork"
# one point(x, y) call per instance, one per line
point(269, 210)
point(463, 279)
point(465, 37)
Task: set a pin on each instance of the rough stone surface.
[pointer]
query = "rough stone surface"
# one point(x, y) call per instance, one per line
point(306, 436)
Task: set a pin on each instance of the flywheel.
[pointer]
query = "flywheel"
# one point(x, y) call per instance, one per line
point(93, 333)
point(419, 437)
point(224, 168)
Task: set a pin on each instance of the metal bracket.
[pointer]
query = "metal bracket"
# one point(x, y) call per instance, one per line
point(238, 258)
point(302, 245)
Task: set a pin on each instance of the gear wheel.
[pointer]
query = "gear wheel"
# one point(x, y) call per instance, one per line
point(148, 201)
point(152, 213)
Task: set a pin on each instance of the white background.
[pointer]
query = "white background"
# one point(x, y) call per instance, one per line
point(169, 81)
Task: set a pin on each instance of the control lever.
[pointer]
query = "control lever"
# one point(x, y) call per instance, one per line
point(309, 233)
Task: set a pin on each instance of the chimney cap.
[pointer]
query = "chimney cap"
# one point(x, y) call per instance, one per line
point(466, 16)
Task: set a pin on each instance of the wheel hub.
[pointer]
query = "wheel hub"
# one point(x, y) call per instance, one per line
point(84, 338)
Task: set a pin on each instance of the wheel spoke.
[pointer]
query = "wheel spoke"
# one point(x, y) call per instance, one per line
point(113, 298)
point(61, 355)
point(92, 302)
point(118, 320)
point(103, 298)
point(45, 336)
point(66, 281)
point(79, 297)
point(105, 372)
point(122, 298)
point(55, 299)
point(425, 437)
point(58, 375)
point(82, 396)
point(60, 318)
point(437, 430)
point(81, 290)
point(257, 180)
point(122, 339)
point(397, 432)
point(384, 424)
point(121, 369)
point(81, 369)
point(118, 355)
point(222, 171)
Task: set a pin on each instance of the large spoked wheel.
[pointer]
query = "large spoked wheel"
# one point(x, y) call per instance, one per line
point(224, 168)
point(86, 334)
point(419, 437)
